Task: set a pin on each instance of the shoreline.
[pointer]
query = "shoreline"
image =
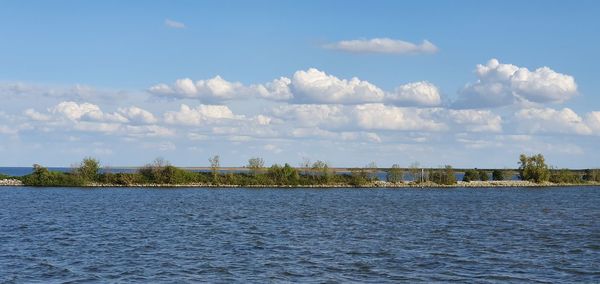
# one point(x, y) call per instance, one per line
point(377, 184)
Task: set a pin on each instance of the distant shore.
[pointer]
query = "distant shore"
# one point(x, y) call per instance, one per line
point(377, 184)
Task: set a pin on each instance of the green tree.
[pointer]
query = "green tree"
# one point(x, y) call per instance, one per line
point(533, 168)
point(444, 176)
point(470, 175)
point(483, 175)
point(88, 169)
point(395, 174)
point(498, 175)
point(592, 175)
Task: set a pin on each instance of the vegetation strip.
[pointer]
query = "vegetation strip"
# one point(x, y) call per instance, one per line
point(533, 171)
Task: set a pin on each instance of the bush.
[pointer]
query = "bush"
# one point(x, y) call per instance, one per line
point(483, 175)
point(444, 176)
point(592, 175)
point(565, 176)
point(498, 175)
point(470, 175)
point(41, 176)
point(359, 177)
point(396, 174)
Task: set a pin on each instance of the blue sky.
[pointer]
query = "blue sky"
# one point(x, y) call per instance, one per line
point(82, 78)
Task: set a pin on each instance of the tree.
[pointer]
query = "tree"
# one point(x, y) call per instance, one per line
point(89, 169)
point(592, 175)
point(215, 163)
point(322, 171)
point(498, 175)
point(305, 165)
point(470, 175)
point(371, 169)
point(255, 165)
point(483, 175)
point(533, 168)
point(416, 172)
point(444, 176)
point(396, 174)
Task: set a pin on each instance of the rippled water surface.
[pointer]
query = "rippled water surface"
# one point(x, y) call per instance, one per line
point(301, 235)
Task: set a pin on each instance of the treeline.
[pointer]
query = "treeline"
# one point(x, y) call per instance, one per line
point(160, 172)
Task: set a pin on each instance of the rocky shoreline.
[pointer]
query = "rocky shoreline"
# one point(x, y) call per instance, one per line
point(377, 184)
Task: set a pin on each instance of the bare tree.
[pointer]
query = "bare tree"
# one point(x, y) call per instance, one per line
point(214, 166)
point(255, 164)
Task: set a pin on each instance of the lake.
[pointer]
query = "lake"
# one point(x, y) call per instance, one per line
point(546, 235)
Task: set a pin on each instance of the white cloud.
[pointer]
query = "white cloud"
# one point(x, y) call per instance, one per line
point(501, 84)
point(85, 111)
point(315, 86)
point(273, 148)
point(75, 92)
point(382, 117)
point(37, 116)
point(306, 86)
point(383, 45)
point(136, 114)
point(476, 120)
point(278, 89)
point(309, 115)
point(7, 130)
point(592, 120)
point(174, 24)
point(200, 115)
point(547, 120)
point(218, 89)
point(415, 94)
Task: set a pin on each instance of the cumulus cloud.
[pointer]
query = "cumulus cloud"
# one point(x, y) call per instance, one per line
point(310, 115)
point(316, 86)
point(382, 117)
point(366, 117)
point(200, 115)
point(311, 86)
point(136, 114)
point(415, 94)
point(476, 120)
point(218, 89)
point(131, 121)
point(501, 84)
point(383, 45)
point(548, 120)
point(174, 24)
point(86, 112)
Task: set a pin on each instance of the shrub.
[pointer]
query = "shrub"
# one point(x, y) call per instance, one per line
point(444, 176)
point(498, 175)
point(565, 176)
point(592, 175)
point(470, 175)
point(483, 175)
point(396, 174)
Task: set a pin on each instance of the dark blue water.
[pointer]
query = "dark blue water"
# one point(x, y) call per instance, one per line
point(343, 235)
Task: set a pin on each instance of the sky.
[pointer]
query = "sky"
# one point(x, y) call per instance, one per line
point(461, 83)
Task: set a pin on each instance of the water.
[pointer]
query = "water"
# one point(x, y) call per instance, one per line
point(301, 235)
